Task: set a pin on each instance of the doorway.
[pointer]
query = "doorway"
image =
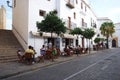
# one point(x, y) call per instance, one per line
point(113, 43)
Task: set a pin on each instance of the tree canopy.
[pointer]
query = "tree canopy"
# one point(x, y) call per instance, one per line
point(107, 29)
point(51, 23)
point(77, 31)
point(97, 40)
point(88, 33)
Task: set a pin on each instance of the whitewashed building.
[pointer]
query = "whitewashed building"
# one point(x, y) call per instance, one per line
point(116, 36)
point(75, 13)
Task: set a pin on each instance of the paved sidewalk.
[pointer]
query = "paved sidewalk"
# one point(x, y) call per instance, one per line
point(15, 68)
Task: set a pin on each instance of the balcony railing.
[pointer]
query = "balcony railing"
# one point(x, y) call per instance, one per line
point(70, 4)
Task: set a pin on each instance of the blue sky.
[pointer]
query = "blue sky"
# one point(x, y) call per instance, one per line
point(8, 13)
point(102, 8)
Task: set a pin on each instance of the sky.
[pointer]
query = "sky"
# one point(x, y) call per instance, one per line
point(107, 8)
point(8, 14)
point(102, 8)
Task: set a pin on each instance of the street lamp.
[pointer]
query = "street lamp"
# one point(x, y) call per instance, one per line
point(8, 3)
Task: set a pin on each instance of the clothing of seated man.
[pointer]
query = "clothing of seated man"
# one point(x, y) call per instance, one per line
point(31, 52)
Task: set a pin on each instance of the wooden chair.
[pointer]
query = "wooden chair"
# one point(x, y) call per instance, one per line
point(86, 50)
point(48, 54)
point(67, 51)
point(58, 53)
point(28, 58)
point(41, 58)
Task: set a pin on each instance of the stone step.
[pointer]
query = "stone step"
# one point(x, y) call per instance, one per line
point(8, 51)
point(11, 55)
point(3, 57)
point(7, 54)
point(8, 58)
point(8, 46)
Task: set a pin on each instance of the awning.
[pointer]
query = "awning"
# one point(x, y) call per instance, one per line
point(49, 35)
point(69, 36)
point(44, 34)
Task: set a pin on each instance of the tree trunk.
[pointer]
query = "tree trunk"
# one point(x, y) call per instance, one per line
point(107, 45)
point(89, 46)
point(51, 39)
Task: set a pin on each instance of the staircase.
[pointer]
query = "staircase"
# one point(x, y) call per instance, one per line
point(8, 46)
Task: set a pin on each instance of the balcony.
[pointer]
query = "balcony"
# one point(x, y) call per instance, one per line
point(70, 4)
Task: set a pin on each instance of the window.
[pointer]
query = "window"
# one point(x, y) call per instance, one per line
point(76, 1)
point(69, 22)
point(74, 15)
point(91, 21)
point(81, 5)
point(85, 8)
point(42, 13)
point(82, 22)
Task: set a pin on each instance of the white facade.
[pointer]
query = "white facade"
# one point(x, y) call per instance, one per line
point(117, 32)
point(27, 12)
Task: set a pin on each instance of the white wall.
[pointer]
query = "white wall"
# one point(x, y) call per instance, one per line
point(20, 21)
point(34, 7)
point(117, 32)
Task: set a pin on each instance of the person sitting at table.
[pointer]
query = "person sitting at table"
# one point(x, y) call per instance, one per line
point(42, 50)
point(20, 55)
point(29, 55)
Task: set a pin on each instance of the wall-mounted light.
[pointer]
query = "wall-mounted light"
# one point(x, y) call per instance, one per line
point(8, 3)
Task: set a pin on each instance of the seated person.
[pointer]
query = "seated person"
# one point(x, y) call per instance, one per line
point(29, 54)
point(20, 55)
point(67, 51)
point(42, 50)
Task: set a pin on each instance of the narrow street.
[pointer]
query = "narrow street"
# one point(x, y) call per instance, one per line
point(103, 65)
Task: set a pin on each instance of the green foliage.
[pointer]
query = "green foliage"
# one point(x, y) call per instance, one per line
point(52, 24)
point(76, 31)
point(107, 29)
point(88, 33)
point(102, 39)
point(97, 40)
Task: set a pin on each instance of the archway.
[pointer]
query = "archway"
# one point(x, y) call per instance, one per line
point(113, 43)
